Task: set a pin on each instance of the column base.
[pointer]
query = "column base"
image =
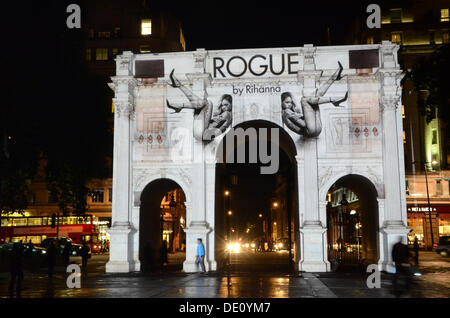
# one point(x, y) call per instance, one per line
point(120, 259)
point(122, 267)
point(312, 266)
point(313, 249)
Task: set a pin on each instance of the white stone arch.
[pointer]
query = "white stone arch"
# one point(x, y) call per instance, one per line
point(371, 179)
point(329, 180)
point(144, 178)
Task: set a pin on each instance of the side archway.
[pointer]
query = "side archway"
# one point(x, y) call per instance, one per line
point(160, 221)
point(352, 222)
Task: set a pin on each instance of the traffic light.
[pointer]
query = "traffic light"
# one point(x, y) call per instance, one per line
point(53, 224)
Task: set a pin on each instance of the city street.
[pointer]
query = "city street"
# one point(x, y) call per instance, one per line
point(435, 282)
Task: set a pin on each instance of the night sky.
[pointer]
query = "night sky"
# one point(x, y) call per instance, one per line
point(245, 24)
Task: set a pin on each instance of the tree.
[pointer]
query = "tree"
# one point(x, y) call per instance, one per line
point(431, 79)
point(53, 110)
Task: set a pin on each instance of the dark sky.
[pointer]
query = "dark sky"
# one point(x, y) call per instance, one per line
point(245, 24)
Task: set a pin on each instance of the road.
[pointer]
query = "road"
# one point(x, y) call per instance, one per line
point(435, 282)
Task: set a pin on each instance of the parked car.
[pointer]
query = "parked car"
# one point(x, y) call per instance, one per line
point(61, 242)
point(32, 258)
point(444, 246)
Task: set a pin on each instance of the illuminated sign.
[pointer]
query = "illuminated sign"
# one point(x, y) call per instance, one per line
point(258, 65)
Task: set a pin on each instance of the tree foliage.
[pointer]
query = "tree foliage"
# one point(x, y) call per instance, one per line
point(54, 110)
point(431, 79)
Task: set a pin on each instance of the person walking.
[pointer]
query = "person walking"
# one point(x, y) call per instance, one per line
point(84, 255)
point(400, 257)
point(416, 251)
point(164, 252)
point(66, 253)
point(200, 259)
point(51, 259)
point(16, 268)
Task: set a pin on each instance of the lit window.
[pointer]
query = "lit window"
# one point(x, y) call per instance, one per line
point(369, 40)
point(445, 38)
point(403, 111)
point(434, 137)
point(97, 195)
point(144, 49)
point(444, 15)
point(404, 137)
point(101, 54)
point(396, 38)
point(396, 15)
point(116, 32)
point(115, 51)
point(88, 54)
point(104, 35)
point(182, 41)
point(146, 27)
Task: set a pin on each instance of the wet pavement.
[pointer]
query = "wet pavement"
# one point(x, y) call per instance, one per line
point(435, 282)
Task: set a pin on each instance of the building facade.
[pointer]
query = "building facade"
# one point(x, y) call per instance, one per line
point(109, 28)
point(420, 28)
point(168, 134)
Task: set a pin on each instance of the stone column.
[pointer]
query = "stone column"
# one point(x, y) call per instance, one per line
point(394, 226)
point(200, 226)
point(312, 231)
point(121, 244)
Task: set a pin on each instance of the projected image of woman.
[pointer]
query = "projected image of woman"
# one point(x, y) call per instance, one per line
point(216, 123)
point(307, 122)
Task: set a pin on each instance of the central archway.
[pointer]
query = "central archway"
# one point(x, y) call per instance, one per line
point(256, 214)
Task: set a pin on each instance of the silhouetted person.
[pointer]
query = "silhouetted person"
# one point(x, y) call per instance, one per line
point(200, 259)
point(16, 267)
point(416, 250)
point(164, 252)
point(400, 256)
point(30, 246)
point(52, 251)
point(84, 255)
point(66, 253)
point(29, 250)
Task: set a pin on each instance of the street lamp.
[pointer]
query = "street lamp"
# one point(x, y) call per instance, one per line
point(428, 202)
point(173, 206)
point(341, 213)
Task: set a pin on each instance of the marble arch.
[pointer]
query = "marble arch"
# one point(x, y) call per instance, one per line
point(343, 116)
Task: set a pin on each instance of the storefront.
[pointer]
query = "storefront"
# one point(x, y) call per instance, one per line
point(419, 222)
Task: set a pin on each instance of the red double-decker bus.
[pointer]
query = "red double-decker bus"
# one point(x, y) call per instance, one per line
point(37, 229)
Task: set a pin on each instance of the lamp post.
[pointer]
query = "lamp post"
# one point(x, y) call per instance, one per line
point(341, 213)
point(229, 213)
point(173, 206)
point(429, 206)
point(161, 223)
point(271, 224)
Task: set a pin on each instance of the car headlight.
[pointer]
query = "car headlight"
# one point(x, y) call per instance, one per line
point(44, 252)
point(253, 245)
